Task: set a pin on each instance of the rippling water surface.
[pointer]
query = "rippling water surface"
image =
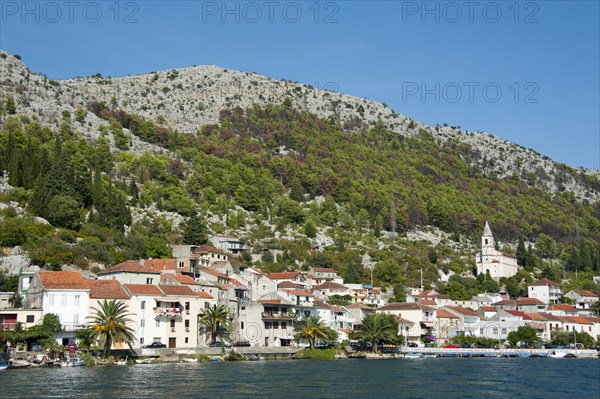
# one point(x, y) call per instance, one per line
point(400, 378)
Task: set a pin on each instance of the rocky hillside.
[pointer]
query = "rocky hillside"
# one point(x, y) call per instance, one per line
point(187, 99)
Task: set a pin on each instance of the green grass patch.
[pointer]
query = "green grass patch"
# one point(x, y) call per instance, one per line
point(316, 354)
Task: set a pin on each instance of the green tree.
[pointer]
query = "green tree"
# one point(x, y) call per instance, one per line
point(111, 323)
point(310, 230)
point(51, 322)
point(63, 211)
point(216, 320)
point(521, 253)
point(524, 335)
point(313, 329)
point(10, 107)
point(457, 291)
point(377, 328)
point(596, 308)
point(80, 114)
point(195, 230)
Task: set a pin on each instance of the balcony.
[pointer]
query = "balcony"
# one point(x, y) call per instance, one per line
point(167, 312)
point(277, 316)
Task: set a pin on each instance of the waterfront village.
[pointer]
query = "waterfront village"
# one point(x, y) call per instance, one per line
point(166, 299)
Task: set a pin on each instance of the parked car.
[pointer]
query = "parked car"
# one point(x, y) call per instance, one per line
point(219, 344)
point(71, 346)
point(241, 343)
point(451, 346)
point(35, 347)
point(156, 345)
point(413, 345)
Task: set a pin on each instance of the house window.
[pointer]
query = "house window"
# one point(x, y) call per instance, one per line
point(567, 328)
point(30, 318)
point(143, 305)
point(267, 325)
point(76, 318)
point(157, 323)
point(149, 280)
point(187, 323)
point(243, 308)
point(76, 300)
point(156, 339)
point(187, 306)
point(504, 331)
point(172, 323)
point(180, 265)
point(63, 299)
point(276, 325)
point(186, 340)
point(142, 340)
point(283, 325)
point(50, 300)
point(495, 331)
point(206, 305)
point(143, 323)
point(242, 325)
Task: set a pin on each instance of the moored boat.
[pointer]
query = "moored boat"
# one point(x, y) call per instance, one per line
point(413, 356)
point(75, 362)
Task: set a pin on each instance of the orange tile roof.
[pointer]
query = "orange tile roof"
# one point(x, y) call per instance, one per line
point(463, 311)
point(586, 293)
point(518, 313)
point(106, 289)
point(269, 300)
point(324, 270)
point(204, 295)
point(544, 282)
point(299, 292)
point(329, 285)
point(177, 290)
point(132, 266)
point(143, 289)
point(288, 284)
point(62, 281)
point(488, 308)
point(161, 264)
point(536, 316)
point(214, 273)
point(406, 306)
point(181, 278)
point(581, 320)
point(283, 275)
point(208, 249)
point(562, 306)
point(428, 302)
point(444, 314)
point(358, 305)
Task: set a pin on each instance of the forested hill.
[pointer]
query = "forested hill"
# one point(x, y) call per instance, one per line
point(115, 184)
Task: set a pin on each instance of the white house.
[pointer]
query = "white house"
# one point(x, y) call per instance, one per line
point(545, 290)
point(230, 244)
point(498, 264)
point(66, 294)
point(131, 272)
point(583, 299)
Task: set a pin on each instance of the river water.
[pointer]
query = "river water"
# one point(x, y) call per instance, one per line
point(353, 378)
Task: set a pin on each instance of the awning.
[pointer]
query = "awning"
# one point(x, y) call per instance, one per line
point(427, 323)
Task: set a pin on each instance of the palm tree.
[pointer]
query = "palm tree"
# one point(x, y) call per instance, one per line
point(110, 324)
point(313, 329)
point(215, 319)
point(377, 328)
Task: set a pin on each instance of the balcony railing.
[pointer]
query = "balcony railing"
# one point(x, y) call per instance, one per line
point(167, 312)
point(278, 316)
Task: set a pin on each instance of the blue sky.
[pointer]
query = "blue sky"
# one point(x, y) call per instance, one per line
point(526, 71)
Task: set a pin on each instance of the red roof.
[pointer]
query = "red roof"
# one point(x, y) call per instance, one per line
point(463, 311)
point(586, 293)
point(581, 320)
point(358, 305)
point(131, 266)
point(406, 306)
point(324, 270)
point(299, 292)
point(444, 314)
point(181, 278)
point(177, 290)
point(428, 302)
point(544, 282)
point(214, 273)
point(518, 313)
point(204, 295)
point(283, 275)
point(63, 281)
point(562, 306)
point(161, 264)
point(488, 308)
point(106, 289)
point(143, 289)
point(330, 285)
point(288, 284)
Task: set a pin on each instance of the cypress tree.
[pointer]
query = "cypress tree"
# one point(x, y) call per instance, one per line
point(194, 230)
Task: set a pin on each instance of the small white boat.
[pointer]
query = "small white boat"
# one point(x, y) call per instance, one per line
point(557, 355)
point(19, 364)
point(189, 360)
point(148, 360)
point(76, 362)
point(413, 356)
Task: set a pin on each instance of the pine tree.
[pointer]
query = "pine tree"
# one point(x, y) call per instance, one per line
point(194, 230)
point(521, 253)
point(10, 107)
